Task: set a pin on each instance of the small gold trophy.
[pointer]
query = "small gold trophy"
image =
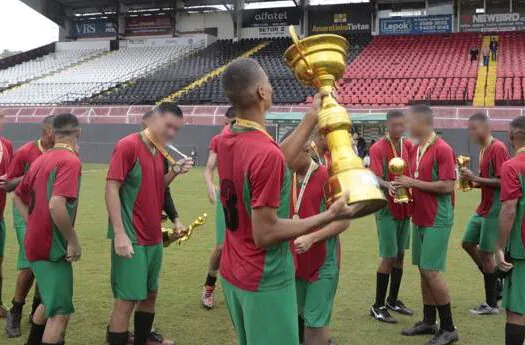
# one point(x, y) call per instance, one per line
point(170, 236)
point(319, 61)
point(397, 167)
point(463, 163)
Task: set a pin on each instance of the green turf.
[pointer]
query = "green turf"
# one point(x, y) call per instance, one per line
point(179, 314)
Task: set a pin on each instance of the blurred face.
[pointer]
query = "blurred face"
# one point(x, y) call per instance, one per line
point(396, 127)
point(165, 126)
point(265, 92)
point(302, 162)
point(320, 142)
point(478, 131)
point(416, 126)
point(48, 138)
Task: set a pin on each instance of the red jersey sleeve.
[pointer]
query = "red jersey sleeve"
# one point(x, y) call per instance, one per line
point(446, 163)
point(213, 144)
point(376, 161)
point(18, 164)
point(122, 161)
point(499, 156)
point(266, 176)
point(67, 179)
point(510, 183)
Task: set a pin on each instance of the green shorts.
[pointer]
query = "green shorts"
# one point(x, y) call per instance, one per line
point(482, 231)
point(132, 279)
point(20, 230)
point(430, 246)
point(263, 317)
point(2, 238)
point(513, 289)
point(393, 235)
point(315, 300)
point(220, 222)
point(55, 282)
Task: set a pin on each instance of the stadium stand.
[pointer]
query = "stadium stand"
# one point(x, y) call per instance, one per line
point(16, 59)
point(44, 65)
point(510, 83)
point(96, 75)
point(399, 70)
point(149, 89)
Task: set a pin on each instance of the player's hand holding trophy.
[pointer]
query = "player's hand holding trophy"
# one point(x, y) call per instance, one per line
point(172, 235)
point(319, 61)
point(463, 163)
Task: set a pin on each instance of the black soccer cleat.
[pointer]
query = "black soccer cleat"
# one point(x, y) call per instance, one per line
point(420, 328)
point(443, 337)
point(382, 314)
point(399, 307)
point(12, 325)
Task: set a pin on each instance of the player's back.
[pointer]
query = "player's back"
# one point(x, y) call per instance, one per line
point(252, 174)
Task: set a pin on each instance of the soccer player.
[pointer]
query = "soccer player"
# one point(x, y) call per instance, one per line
point(22, 160)
point(393, 221)
point(47, 199)
point(257, 269)
point(510, 251)
point(481, 234)
point(135, 198)
point(220, 226)
point(432, 167)
point(6, 155)
point(317, 254)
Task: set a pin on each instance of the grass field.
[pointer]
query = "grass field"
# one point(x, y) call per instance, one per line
point(179, 314)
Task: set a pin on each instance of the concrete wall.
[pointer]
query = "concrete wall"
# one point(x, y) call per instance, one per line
point(97, 140)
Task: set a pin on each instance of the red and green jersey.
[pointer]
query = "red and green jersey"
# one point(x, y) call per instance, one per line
point(512, 188)
point(438, 163)
point(55, 173)
point(6, 156)
point(380, 154)
point(213, 142)
point(490, 167)
point(23, 158)
point(253, 174)
point(141, 174)
point(323, 258)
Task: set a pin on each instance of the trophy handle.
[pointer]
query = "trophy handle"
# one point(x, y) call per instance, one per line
point(297, 43)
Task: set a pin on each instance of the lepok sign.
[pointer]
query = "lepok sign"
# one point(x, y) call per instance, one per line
point(492, 22)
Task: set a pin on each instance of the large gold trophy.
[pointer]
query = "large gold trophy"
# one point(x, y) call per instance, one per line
point(319, 61)
point(397, 167)
point(170, 236)
point(463, 163)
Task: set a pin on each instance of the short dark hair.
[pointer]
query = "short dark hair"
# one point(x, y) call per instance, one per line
point(239, 80)
point(147, 115)
point(517, 127)
point(48, 120)
point(65, 123)
point(230, 113)
point(394, 113)
point(424, 110)
point(168, 108)
point(479, 116)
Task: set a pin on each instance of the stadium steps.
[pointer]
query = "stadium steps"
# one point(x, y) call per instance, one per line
point(490, 89)
point(14, 86)
point(486, 80)
point(210, 76)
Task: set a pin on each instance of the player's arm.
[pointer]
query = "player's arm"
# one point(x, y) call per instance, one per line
point(436, 187)
point(208, 175)
point(303, 243)
point(269, 230)
point(65, 189)
point(185, 165)
point(21, 207)
point(511, 191)
point(376, 165)
point(11, 184)
point(294, 143)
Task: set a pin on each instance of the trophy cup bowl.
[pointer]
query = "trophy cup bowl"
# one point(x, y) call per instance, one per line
point(319, 61)
point(397, 167)
point(463, 163)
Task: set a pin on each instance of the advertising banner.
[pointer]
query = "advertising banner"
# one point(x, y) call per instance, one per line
point(415, 25)
point(492, 22)
point(148, 25)
point(92, 28)
point(347, 19)
point(271, 17)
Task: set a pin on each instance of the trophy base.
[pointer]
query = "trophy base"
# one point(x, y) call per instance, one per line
point(363, 187)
